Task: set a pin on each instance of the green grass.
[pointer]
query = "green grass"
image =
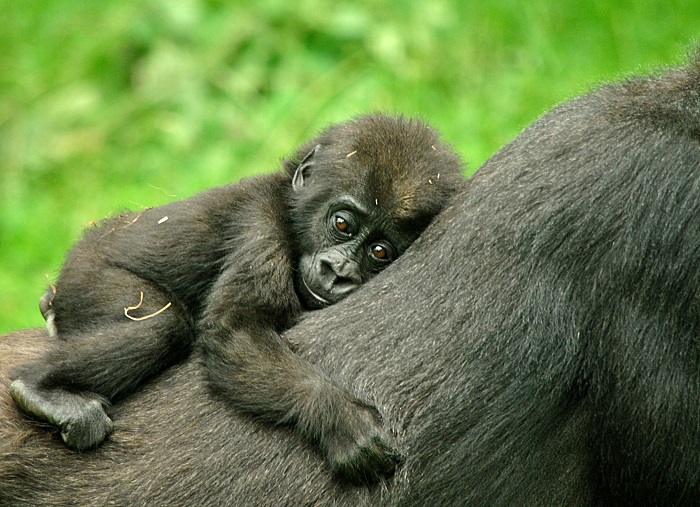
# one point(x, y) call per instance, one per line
point(123, 104)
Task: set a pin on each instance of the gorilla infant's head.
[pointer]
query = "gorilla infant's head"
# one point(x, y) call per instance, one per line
point(362, 193)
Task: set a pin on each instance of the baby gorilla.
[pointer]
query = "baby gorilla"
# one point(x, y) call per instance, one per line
point(231, 268)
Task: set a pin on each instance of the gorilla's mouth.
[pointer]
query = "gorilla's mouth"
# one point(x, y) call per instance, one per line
point(313, 294)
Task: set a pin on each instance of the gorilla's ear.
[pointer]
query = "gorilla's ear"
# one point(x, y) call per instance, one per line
point(304, 169)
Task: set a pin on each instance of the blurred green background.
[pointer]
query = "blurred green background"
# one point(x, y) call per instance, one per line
point(125, 104)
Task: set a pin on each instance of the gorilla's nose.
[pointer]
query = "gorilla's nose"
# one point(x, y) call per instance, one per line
point(342, 276)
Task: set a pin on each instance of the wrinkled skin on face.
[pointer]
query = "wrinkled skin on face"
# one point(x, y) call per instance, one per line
point(355, 247)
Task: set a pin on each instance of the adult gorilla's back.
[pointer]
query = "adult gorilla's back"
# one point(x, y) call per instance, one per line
point(537, 346)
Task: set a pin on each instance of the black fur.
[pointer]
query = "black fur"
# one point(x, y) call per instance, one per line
point(233, 267)
point(537, 345)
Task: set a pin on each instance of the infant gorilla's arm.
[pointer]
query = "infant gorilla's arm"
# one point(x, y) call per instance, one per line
point(233, 267)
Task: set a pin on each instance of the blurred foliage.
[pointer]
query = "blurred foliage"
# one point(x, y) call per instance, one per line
point(124, 103)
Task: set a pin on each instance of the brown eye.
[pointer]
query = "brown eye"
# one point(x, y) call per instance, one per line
point(340, 223)
point(343, 224)
point(382, 252)
point(379, 252)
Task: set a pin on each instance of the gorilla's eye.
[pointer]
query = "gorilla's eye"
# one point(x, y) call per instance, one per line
point(340, 223)
point(380, 252)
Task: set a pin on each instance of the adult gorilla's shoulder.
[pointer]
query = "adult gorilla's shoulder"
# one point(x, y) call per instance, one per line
point(538, 344)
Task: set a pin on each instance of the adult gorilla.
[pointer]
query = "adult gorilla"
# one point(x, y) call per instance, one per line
point(538, 345)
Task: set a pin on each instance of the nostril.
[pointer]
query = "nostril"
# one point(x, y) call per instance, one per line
point(340, 274)
point(348, 271)
point(325, 267)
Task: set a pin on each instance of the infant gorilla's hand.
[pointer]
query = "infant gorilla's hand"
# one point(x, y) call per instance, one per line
point(359, 449)
point(81, 418)
point(87, 426)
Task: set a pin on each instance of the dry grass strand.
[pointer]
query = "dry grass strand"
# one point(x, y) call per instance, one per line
point(149, 316)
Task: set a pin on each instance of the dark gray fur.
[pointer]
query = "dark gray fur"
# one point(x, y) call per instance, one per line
point(538, 345)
